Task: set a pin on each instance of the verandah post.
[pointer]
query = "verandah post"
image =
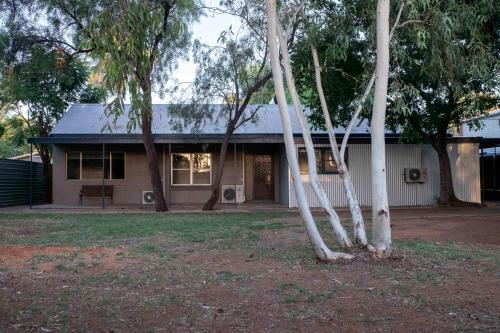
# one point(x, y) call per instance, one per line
point(31, 176)
point(102, 192)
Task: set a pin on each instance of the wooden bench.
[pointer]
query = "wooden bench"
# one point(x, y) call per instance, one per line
point(96, 191)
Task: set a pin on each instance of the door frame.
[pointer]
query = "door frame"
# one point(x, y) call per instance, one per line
point(273, 194)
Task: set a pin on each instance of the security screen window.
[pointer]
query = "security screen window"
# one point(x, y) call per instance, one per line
point(191, 169)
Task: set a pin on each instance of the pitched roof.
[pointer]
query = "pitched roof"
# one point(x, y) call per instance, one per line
point(90, 119)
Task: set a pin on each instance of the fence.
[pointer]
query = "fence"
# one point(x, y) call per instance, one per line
point(15, 183)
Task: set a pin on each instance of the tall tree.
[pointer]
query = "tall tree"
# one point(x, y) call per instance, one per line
point(381, 237)
point(321, 250)
point(231, 75)
point(446, 70)
point(138, 43)
point(37, 88)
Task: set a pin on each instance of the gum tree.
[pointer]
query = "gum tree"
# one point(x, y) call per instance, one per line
point(232, 75)
point(381, 234)
point(446, 70)
point(138, 44)
point(36, 87)
point(274, 32)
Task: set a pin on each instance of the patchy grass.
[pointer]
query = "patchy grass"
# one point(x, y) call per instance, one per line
point(230, 272)
point(87, 229)
point(447, 250)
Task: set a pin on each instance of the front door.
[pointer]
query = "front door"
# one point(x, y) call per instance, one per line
point(263, 177)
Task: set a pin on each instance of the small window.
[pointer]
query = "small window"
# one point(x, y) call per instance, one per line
point(117, 165)
point(201, 169)
point(191, 169)
point(73, 166)
point(303, 165)
point(325, 163)
point(329, 164)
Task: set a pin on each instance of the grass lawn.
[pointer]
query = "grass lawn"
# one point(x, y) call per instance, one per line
point(230, 273)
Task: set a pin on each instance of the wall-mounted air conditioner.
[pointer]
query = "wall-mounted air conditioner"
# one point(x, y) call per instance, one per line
point(230, 193)
point(148, 198)
point(416, 175)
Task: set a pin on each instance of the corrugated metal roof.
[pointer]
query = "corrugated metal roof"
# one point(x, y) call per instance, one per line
point(91, 119)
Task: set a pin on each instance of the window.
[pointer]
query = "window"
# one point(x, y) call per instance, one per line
point(92, 165)
point(191, 169)
point(88, 165)
point(73, 165)
point(117, 165)
point(303, 165)
point(329, 165)
point(325, 163)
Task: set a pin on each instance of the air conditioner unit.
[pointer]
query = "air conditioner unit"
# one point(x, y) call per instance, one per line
point(148, 198)
point(230, 193)
point(416, 175)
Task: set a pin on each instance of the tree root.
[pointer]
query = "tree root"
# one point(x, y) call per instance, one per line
point(459, 203)
point(329, 256)
point(379, 252)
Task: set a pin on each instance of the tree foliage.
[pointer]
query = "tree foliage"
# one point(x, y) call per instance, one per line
point(342, 32)
point(229, 76)
point(46, 84)
point(446, 66)
point(139, 42)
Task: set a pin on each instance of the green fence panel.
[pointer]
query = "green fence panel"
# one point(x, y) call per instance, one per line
point(15, 183)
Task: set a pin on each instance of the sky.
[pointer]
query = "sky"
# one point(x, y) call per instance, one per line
point(207, 30)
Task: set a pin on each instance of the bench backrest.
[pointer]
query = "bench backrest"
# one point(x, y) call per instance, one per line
point(97, 190)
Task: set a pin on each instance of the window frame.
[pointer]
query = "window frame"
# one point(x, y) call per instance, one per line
point(110, 155)
point(322, 152)
point(191, 169)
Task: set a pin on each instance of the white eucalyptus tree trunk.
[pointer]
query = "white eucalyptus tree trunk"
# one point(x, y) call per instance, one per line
point(334, 219)
point(321, 250)
point(352, 199)
point(368, 88)
point(380, 207)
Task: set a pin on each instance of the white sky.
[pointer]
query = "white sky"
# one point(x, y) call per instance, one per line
point(207, 30)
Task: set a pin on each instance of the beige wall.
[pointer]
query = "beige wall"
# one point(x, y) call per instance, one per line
point(128, 191)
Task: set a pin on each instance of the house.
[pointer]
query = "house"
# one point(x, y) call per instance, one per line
point(85, 150)
point(489, 130)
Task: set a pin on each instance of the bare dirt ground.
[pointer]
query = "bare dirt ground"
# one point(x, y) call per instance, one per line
point(468, 225)
point(245, 273)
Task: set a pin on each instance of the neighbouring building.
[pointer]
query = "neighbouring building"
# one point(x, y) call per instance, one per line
point(87, 152)
point(35, 157)
point(489, 130)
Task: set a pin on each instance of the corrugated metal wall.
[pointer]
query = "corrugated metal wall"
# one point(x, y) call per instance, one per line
point(464, 159)
point(15, 183)
point(490, 128)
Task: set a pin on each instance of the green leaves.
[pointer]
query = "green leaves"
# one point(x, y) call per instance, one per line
point(138, 43)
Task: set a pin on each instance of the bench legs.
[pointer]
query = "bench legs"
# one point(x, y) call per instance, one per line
point(84, 195)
